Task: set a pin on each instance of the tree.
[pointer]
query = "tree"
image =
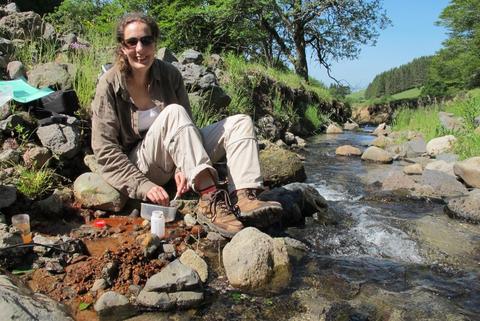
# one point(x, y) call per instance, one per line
point(275, 29)
point(333, 29)
point(457, 65)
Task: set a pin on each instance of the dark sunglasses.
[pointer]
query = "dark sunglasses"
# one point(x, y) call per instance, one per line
point(132, 42)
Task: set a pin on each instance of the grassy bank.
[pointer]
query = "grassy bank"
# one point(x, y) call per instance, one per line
point(426, 121)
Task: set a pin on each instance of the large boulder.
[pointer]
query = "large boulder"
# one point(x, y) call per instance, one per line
point(255, 261)
point(440, 145)
point(465, 207)
point(21, 25)
point(280, 166)
point(469, 171)
point(17, 302)
point(62, 139)
point(52, 74)
point(91, 190)
point(376, 154)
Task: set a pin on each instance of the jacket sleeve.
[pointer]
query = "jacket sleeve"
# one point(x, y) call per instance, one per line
point(181, 92)
point(117, 169)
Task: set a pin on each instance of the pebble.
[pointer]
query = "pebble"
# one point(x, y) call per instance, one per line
point(99, 284)
point(190, 221)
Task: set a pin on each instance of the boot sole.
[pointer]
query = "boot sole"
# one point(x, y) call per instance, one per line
point(209, 224)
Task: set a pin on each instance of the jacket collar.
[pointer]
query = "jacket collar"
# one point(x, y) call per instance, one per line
point(121, 79)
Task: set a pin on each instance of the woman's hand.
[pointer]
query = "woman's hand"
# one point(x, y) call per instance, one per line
point(158, 195)
point(181, 182)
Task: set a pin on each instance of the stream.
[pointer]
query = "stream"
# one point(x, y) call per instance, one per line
point(381, 260)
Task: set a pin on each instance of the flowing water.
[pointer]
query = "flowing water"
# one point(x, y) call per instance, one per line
point(381, 260)
point(410, 247)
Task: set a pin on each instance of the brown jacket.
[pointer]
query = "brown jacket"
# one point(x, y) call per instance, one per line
point(115, 124)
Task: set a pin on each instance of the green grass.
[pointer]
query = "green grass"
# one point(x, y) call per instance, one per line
point(242, 77)
point(35, 183)
point(315, 117)
point(426, 121)
point(410, 93)
point(357, 96)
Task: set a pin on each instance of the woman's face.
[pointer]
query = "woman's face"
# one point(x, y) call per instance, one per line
point(139, 46)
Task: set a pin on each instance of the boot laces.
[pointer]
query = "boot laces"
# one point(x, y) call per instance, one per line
point(221, 199)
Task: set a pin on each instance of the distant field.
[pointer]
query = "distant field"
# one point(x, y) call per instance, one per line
point(357, 96)
point(411, 93)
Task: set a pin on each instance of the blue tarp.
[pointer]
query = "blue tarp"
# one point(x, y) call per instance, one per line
point(22, 91)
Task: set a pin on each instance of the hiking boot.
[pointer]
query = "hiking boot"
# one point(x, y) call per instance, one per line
point(254, 212)
point(217, 212)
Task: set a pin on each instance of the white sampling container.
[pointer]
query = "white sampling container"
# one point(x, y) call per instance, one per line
point(157, 224)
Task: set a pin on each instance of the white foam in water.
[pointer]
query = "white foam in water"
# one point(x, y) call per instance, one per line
point(381, 239)
point(329, 193)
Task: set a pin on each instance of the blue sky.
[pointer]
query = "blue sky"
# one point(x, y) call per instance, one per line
point(413, 34)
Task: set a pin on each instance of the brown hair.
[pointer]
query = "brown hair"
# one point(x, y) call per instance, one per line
point(120, 58)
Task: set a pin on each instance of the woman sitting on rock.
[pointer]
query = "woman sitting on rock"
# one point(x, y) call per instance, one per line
point(143, 135)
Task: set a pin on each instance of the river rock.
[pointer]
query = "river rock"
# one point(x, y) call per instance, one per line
point(176, 285)
point(52, 74)
point(347, 150)
point(62, 139)
point(381, 141)
point(254, 261)
point(334, 129)
point(289, 138)
point(414, 169)
point(465, 207)
point(174, 277)
point(447, 157)
point(300, 141)
point(91, 190)
point(191, 259)
point(9, 195)
point(441, 166)
point(350, 126)
point(450, 122)
point(17, 302)
point(280, 166)
point(469, 171)
point(382, 130)
point(415, 147)
point(376, 154)
point(440, 144)
point(113, 306)
point(442, 184)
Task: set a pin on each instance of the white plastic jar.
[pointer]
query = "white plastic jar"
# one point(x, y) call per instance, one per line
point(157, 224)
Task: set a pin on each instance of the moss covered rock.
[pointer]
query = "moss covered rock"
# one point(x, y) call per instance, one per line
point(280, 166)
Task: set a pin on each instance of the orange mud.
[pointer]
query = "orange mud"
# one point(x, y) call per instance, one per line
point(72, 287)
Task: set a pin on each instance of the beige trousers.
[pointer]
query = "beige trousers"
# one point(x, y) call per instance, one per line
point(173, 141)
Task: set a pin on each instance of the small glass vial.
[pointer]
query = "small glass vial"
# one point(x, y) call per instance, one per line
point(157, 224)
